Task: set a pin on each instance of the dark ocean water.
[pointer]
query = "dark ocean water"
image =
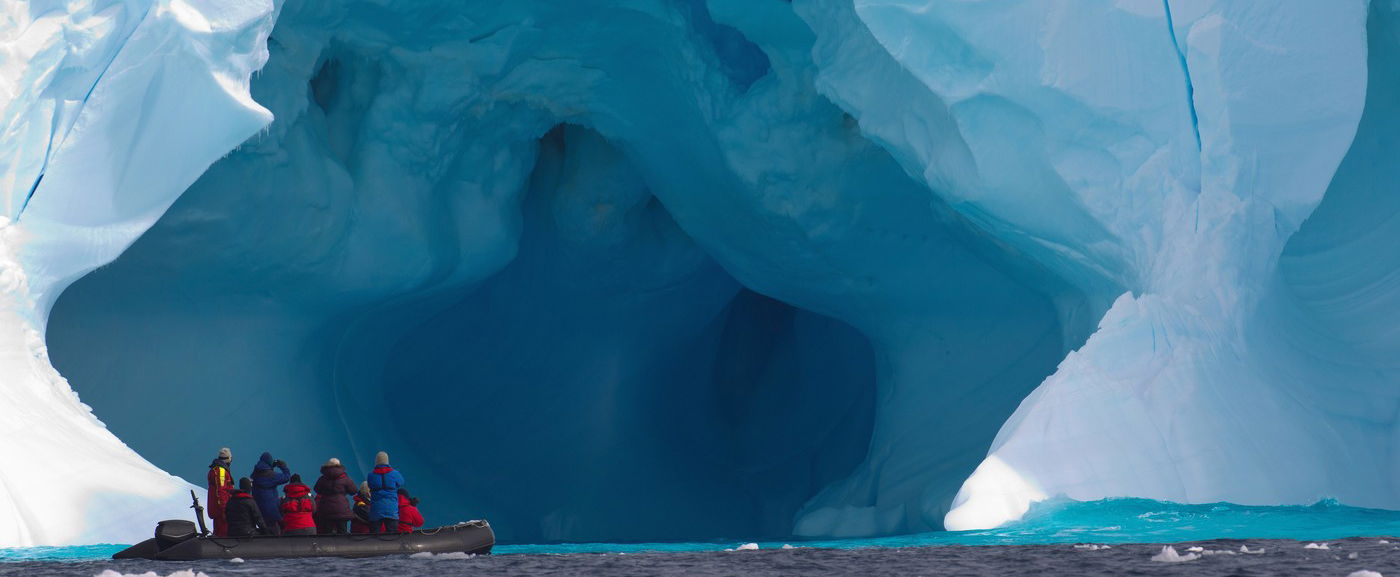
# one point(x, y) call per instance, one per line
point(1053, 539)
point(1279, 557)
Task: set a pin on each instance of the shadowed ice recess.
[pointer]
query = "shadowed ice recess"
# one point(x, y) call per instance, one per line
point(688, 270)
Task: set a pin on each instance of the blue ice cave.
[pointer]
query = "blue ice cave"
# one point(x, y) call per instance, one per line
point(593, 273)
point(607, 270)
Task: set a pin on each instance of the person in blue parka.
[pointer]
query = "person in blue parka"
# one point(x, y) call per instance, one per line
point(265, 483)
point(384, 484)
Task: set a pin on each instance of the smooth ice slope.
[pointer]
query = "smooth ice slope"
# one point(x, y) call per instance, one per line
point(673, 269)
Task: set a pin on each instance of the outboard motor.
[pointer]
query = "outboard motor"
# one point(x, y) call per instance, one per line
point(174, 532)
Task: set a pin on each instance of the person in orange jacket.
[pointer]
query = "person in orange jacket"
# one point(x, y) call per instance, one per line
point(220, 490)
point(409, 517)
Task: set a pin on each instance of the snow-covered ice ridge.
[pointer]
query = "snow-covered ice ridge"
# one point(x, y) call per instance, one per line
point(664, 269)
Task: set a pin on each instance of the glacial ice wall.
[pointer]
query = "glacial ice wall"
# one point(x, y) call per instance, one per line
point(96, 98)
point(673, 269)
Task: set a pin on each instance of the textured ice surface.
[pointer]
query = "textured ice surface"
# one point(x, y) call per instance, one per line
point(671, 269)
point(111, 110)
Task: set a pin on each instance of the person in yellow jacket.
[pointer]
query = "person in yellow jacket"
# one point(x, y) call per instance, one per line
point(220, 490)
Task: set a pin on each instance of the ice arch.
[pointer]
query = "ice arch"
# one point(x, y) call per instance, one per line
point(910, 211)
point(678, 291)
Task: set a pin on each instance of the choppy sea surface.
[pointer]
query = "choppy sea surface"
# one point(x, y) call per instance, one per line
point(1057, 538)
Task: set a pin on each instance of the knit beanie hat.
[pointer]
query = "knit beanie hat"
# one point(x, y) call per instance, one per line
point(245, 484)
point(296, 478)
point(334, 462)
point(364, 487)
point(225, 454)
point(381, 459)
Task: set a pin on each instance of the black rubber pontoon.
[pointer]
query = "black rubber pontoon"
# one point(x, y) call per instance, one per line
point(178, 541)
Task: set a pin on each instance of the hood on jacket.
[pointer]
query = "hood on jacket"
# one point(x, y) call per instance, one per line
point(264, 462)
point(219, 462)
point(297, 490)
point(332, 471)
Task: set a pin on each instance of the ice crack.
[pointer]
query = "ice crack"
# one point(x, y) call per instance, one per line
point(1185, 72)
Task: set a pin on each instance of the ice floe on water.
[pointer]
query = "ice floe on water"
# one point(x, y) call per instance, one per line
point(1365, 573)
point(1202, 551)
point(453, 555)
point(1322, 546)
point(185, 573)
point(1169, 555)
point(1091, 547)
point(1247, 551)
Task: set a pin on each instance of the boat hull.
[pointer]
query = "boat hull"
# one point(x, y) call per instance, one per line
point(475, 537)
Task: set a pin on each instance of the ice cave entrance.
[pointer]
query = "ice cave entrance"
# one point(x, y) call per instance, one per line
point(459, 242)
point(610, 382)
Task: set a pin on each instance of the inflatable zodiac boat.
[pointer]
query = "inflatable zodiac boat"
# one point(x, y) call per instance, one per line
point(180, 541)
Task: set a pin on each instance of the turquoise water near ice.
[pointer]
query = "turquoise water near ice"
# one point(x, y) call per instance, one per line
point(1106, 521)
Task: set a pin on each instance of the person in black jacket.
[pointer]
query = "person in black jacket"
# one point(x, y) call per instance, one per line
point(242, 515)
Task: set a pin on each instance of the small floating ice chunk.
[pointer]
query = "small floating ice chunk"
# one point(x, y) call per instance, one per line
point(236, 560)
point(1169, 555)
point(787, 546)
point(1316, 546)
point(1352, 555)
point(1195, 549)
point(1365, 573)
point(185, 573)
point(1247, 551)
point(1091, 547)
point(1383, 542)
point(748, 547)
point(431, 555)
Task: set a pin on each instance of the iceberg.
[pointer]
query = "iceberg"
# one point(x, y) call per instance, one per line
point(688, 269)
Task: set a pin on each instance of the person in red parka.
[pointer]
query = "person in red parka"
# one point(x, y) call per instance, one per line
point(409, 517)
point(220, 490)
point(298, 510)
